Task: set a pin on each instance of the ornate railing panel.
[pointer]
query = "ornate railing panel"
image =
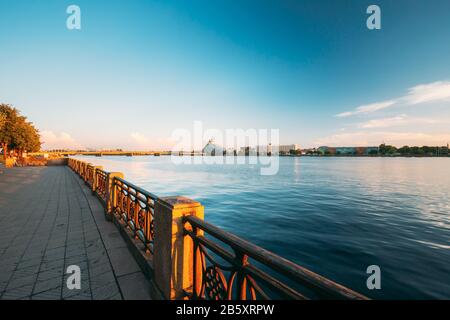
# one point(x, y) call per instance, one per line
point(101, 185)
point(228, 268)
point(135, 207)
point(90, 175)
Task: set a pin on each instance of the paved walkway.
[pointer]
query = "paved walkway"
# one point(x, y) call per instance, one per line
point(49, 220)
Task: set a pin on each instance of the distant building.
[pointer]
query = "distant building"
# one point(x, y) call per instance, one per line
point(356, 151)
point(247, 151)
point(371, 150)
point(267, 149)
point(212, 149)
point(288, 147)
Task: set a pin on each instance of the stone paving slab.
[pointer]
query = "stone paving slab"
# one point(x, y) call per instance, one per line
point(49, 220)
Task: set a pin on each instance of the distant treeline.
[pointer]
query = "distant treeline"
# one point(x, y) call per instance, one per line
point(413, 151)
point(381, 150)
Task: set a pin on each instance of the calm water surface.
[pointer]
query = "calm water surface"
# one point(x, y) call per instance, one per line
point(335, 216)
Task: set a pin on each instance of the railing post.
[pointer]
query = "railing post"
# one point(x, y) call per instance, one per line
point(111, 198)
point(173, 251)
point(94, 178)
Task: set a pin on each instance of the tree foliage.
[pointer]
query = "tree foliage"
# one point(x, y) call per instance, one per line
point(387, 149)
point(414, 151)
point(2, 120)
point(16, 133)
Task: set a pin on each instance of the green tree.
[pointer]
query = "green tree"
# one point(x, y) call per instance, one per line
point(387, 149)
point(9, 117)
point(404, 150)
point(443, 151)
point(414, 150)
point(2, 121)
point(427, 150)
point(392, 150)
point(26, 138)
point(16, 133)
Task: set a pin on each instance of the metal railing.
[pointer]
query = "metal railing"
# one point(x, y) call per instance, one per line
point(232, 268)
point(221, 265)
point(135, 207)
point(90, 175)
point(101, 185)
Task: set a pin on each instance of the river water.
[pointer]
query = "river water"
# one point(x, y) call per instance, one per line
point(333, 215)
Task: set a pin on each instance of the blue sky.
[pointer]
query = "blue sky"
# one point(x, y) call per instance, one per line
point(138, 70)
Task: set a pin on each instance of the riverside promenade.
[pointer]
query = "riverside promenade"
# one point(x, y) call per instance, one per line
point(50, 220)
point(130, 243)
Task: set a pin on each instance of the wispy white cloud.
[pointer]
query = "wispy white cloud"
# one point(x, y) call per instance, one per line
point(370, 138)
point(368, 108)
point(400, 120)
point(424, 93)
point(436, 91)
point(51, 140)
point(140, 141)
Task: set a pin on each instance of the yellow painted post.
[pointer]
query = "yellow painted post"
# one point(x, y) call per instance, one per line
point(173, 257)
point(111, 197)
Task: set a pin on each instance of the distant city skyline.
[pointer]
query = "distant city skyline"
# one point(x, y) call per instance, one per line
point(138, 70)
